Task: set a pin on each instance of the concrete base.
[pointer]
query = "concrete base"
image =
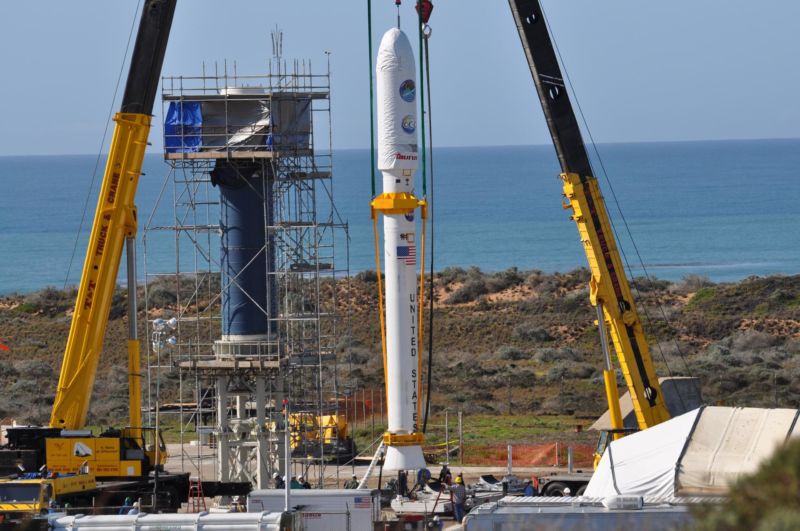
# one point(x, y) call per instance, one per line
point(403, 458)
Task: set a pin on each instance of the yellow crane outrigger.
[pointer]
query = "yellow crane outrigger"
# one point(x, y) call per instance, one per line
point(610, 292)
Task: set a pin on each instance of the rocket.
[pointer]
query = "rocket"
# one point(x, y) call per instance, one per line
point(397, 162)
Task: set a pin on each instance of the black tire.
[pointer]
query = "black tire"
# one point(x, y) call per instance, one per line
point(581, 490)
point(555, 488)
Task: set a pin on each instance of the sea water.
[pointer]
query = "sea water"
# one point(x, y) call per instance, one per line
point(723, 209)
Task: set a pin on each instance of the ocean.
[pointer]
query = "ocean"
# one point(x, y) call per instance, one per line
point(723, 209)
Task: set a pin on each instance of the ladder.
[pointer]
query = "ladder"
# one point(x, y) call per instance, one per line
point(197, 500)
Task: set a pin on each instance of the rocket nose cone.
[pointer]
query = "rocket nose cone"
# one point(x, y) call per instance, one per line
point(395, 51)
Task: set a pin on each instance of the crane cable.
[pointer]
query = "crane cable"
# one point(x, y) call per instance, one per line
point(102, 143)
point(421, 22)
point(371, 100)
point(373, 213)
point(429, 371)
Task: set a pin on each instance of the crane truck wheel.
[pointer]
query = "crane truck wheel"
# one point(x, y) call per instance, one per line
point(581, 490)
point(555, 488)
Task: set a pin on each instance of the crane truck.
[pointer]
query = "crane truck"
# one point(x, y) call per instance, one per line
point(64, 462)
point(610, 292)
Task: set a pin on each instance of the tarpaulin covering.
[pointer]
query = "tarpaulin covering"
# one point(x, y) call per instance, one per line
point(699, 453)
point(291, 124)
point(643, 463)
point(727, 443)
point(235, 123)
point(182, 127)
point(240, 121)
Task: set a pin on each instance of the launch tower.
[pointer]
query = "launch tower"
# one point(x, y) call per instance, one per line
point(257, 248)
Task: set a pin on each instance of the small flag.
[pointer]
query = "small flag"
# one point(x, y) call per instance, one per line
point(362, 502)
point(407, 253)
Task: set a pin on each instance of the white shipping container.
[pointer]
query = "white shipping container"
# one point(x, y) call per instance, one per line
point(323, 509)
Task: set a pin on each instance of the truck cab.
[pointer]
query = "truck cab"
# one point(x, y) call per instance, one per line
point(31, 494)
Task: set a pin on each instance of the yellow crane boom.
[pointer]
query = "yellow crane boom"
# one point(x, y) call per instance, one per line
point(609, 289)
point(114, 223)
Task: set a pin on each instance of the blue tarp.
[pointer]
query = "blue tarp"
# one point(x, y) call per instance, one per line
point(182, 127)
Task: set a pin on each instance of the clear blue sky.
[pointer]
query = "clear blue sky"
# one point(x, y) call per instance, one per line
point(644, 71)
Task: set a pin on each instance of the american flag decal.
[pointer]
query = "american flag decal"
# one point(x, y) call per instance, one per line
point(362, 502)
point(407, 253)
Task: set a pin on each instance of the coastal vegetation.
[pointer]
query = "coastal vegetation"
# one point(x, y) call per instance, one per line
point(510, 342)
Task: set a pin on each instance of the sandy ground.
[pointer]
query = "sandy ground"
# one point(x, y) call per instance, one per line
point(200, 461)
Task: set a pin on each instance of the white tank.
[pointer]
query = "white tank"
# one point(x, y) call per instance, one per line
point(182, 522)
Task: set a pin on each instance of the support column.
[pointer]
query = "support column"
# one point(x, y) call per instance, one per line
point(242, 434)
point(281, 466)
point(223, 430)
point(260, 434)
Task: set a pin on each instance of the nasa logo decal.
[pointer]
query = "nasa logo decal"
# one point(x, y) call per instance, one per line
point(409, 124)
point(409, 216)
point(408, 90)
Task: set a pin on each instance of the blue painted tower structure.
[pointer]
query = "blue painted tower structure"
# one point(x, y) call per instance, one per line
point(247, 254)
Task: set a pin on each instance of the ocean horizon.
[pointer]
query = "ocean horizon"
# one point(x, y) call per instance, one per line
point(722, 209)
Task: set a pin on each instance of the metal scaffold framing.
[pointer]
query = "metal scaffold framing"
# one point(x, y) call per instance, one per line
point(247, 317)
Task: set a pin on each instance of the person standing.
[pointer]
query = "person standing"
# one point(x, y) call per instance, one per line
point(530, 490)
point(351, 483)
point(444, 475)
point(126, 506)
point(459, 496)
point(304, 482)
point(402, 483)
point(278, 481)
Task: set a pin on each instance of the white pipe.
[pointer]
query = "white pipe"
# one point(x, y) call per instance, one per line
point(288, 457)
point(363, 483)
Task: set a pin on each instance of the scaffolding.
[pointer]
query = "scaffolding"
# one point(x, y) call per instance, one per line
point(226, 392)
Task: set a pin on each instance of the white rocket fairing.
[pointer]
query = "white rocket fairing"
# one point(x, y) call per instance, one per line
point(397, 161)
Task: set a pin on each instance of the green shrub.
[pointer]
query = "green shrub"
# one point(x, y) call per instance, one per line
point(547, 355)
point(450, 275)
point(468, 292)
point(701, 295)
point(505, 279)
point(534, 278)
point(753, 340)
point(28, 307)
point(531, 332)
point(510, 353)
point(368, 276)
point(649, 284)
point(691, 284)
point(161, 297)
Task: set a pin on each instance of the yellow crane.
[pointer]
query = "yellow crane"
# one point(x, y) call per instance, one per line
point(610, 292)
point(114, 226)
point(127, 455)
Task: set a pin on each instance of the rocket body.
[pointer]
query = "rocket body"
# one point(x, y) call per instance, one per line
point(397, 161)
